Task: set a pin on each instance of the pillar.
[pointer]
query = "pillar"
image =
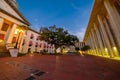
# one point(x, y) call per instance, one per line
point(99, 40)
point(21, 41)
point(95, 43)
point(1, 22)
point(11, 33)
point(105, 36)
point(113, 20)
point(112, 38)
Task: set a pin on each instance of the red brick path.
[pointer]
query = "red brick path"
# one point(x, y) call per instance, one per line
point(61, 68)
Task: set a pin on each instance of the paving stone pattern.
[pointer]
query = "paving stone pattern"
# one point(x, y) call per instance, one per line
point(62, 67)
point(27, 68)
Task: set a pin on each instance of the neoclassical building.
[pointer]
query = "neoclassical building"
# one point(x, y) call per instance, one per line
point(32, 43)
point(103, 30)
point(12, 25)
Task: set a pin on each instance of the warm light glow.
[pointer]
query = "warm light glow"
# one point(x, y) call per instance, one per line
point(21, 31)
point(1, 41)
point(15, 32)
point(106, 50)
point(65, 51)
point(114, 48)
point(18, 30)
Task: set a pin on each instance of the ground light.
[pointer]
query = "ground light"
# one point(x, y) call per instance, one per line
point(106, 53)
point(115, 51)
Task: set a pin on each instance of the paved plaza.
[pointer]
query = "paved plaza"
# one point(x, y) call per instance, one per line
point(61, 67)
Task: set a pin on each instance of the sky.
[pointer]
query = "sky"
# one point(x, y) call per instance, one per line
point(72, 15)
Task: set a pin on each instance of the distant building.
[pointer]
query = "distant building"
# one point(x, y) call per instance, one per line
point(12, 25)
point(103, 30)
point(80, 44)
point(32, 43)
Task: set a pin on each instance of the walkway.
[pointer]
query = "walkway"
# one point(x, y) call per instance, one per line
point(45, 67)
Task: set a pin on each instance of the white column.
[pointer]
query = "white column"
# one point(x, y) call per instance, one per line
point(92, 43)
point(111, 38)
point(99, 39)
point(11, 33)
point(105, 36)
point(1, 22)
point(21, 41)
point(114, 20)
point(95, 44)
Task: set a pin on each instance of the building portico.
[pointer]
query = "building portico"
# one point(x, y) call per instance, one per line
point(12, 25)
point(103, 28)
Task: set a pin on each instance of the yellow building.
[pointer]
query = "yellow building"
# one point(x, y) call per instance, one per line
point(103, 30)
point(12, 25)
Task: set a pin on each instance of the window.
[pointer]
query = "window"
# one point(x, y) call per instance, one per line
point(37, 37)
point(40, 45)
point(32, 36)
point(5, 27)
point(2, 37)
point(36, 44)
point(30, 43)
point(14, 40)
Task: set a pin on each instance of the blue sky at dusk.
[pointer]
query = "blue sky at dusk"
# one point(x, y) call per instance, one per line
point(72, 15)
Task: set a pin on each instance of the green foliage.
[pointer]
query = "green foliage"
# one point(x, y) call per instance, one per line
point(85, 48)
point(21, 54)
point(77, 49)
point(58, 36)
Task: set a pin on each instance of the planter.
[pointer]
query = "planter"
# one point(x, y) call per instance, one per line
point(13, 52)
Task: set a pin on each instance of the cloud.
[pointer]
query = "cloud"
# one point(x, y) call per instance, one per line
point(74, 6)
point(80, 34)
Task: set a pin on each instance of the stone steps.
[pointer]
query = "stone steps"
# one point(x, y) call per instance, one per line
point(3, 51)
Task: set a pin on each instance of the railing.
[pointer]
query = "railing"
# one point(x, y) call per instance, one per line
point(10, 45)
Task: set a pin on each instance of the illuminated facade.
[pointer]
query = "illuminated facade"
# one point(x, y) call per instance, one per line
point(103, 30)
point(12, 25)
point(32, 43)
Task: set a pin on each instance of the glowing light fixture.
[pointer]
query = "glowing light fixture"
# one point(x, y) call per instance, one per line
point(106, 50)
point(1, 41)
point(15, 32)
point(114, 48)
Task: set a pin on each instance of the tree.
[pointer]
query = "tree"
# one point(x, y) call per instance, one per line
point(77, 49)
point(85, 48)
point(58, 36)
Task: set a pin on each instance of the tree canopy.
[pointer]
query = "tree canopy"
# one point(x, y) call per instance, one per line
point(57, 35)
point(85, 48)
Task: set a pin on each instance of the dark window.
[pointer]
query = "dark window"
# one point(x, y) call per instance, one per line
point(5, 27)
point(29, 50)
point(30, 43)
point(36, 44)
point(32, 36)
point(14, 40)
point(2, 36)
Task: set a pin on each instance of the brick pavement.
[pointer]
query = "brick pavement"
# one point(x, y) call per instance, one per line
point(62, 67)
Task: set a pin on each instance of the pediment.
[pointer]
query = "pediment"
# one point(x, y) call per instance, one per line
point(7, 8)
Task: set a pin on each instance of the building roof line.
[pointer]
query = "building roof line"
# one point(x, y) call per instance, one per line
point(16, 10)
